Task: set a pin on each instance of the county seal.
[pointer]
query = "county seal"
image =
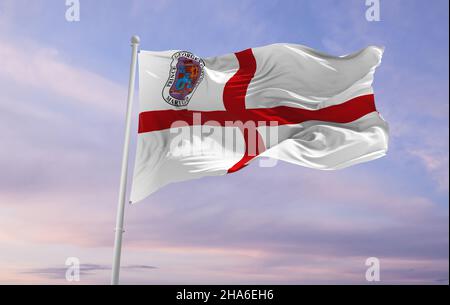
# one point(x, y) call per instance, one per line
point(185, 74)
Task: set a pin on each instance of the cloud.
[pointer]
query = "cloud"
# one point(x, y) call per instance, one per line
point(419, 123)
point(357, 217)
point(85, 270)
point(58, 120)
point(143, 267)
point(41, 68)
point(436, 162)
point(59, 272)
point(318, 236)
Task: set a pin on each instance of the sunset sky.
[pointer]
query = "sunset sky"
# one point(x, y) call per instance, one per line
point(62, 107)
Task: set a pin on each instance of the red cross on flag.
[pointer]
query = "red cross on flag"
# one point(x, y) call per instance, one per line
point(206, 117)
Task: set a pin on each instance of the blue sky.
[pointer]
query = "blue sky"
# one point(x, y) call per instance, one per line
point(62, 103)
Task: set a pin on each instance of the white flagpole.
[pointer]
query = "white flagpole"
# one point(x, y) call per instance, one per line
point(123, 176)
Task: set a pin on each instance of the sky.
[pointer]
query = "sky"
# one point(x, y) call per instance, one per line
point(63, 88)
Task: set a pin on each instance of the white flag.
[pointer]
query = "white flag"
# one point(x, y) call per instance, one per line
point(205, 117)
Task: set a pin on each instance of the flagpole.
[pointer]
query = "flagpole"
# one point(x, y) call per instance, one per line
point(123, 176)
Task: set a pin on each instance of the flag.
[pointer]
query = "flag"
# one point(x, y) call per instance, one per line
point(213, 116)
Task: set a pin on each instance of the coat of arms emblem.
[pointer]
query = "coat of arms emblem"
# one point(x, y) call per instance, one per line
point(186, 73)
